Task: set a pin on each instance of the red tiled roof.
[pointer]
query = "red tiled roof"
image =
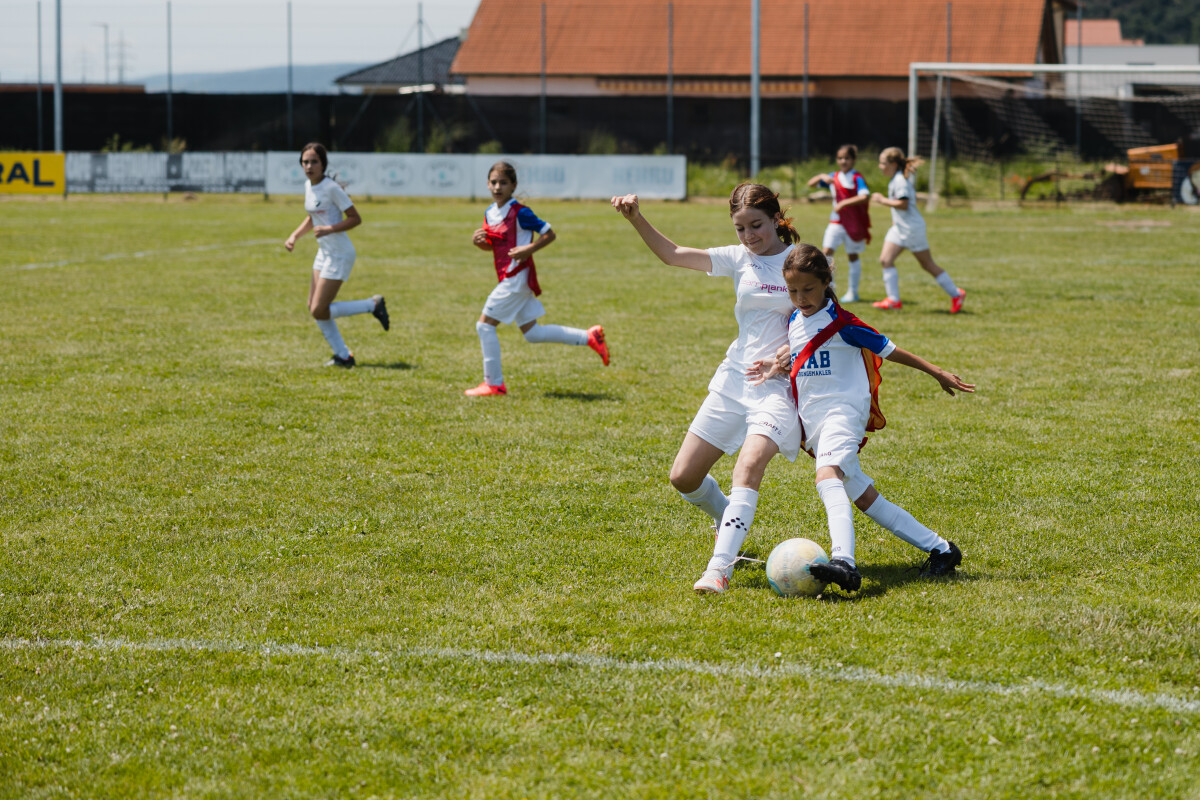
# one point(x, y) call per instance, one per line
point(1098, 32)
point(847, 38)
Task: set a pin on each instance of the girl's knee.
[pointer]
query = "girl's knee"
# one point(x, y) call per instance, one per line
point(683, 481)
point(319, 312)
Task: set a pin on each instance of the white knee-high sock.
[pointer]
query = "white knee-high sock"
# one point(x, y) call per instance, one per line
point(735, 524)
point(841, 519)
point(853, 274)
point(348, 308)
point(559, 334)
point(947, 283)
point(489, 341)
point(329, 330)
point(891, 282)
point(709, 498)
point(905, 526)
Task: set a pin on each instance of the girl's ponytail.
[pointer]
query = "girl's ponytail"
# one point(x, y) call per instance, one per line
point(906, 166)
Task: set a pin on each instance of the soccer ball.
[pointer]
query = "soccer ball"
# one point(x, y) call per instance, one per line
point(787, 568)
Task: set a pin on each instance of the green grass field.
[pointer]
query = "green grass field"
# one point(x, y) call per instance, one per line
point(230, 572)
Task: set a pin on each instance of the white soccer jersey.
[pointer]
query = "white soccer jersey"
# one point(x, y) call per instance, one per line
point(761, 312)
point(909, 221)
point(325, 203)
point(834, 379)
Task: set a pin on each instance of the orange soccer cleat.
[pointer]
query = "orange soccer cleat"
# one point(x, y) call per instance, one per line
point(889, 304)
point(596, 342)
point(956, 302)
point(486, 389)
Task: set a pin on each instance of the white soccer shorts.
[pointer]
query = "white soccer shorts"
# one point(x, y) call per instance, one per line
point(914, 241)
point(768, 410)
point(513, 302)
point(835, 236)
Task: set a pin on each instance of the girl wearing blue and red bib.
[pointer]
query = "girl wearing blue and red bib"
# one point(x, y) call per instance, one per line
point(508, 229)
point(834, 370)
point(754, 421)
point(849, 221)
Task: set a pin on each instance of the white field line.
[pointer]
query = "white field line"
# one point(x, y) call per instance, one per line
point(168, 251)
point(1125, 698)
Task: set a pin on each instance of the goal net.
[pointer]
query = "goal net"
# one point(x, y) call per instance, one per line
point(1089, 113)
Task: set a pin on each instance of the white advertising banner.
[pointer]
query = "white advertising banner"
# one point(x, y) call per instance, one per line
point(227, 173)
point(465, 176)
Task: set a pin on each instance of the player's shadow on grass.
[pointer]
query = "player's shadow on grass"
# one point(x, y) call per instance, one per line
point(587, 397)
point(393, 365)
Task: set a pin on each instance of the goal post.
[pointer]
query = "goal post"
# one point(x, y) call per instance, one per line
point(991, 111)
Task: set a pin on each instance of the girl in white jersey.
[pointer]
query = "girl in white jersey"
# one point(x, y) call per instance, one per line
point(326, 202)
point(758, 420)
point(907, 232)
point(507, 232)
point(834, 394)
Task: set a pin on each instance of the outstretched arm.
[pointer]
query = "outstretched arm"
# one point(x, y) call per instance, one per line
point(820, 178)
point(667, 251)
point(948, 381)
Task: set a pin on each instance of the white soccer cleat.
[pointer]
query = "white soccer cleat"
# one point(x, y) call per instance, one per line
point(850, 297)
point(713, 581)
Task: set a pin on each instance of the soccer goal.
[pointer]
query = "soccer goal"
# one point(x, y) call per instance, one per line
point(1089, 112)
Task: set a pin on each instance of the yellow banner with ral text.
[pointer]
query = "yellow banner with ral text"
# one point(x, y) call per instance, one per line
point(33, 173)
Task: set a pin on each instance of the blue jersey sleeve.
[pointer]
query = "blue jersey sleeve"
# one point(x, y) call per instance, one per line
point(860, 185)
point(530, 222)
point(865, 337)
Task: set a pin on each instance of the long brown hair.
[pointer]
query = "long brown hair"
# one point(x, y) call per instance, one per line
point(895, 155)
point(807, 259)
point(322, 154)
point(506, 169)
point(757, 196)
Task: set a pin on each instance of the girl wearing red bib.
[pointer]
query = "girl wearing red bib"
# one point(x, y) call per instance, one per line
point(849, 221)
point(834, 360)
point(507, 232)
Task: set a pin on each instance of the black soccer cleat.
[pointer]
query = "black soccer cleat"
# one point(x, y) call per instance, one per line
point(380, 312)
point(338, 361)
point(939, 564)
point(843, 573)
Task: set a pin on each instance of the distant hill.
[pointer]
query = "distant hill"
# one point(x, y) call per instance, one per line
point(307, 79)
point(1155, 21)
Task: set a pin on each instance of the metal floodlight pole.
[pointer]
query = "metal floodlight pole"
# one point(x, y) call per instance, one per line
point(39, 75)
point(290, 118)
point(58, 110)
point(670, 77)
point(804, 101)
point(1079, 81)
point(170, 82)
point(542, 100)
point(420, 98)
point(754, 99)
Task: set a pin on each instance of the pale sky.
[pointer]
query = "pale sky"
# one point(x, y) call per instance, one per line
point(214, 36)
